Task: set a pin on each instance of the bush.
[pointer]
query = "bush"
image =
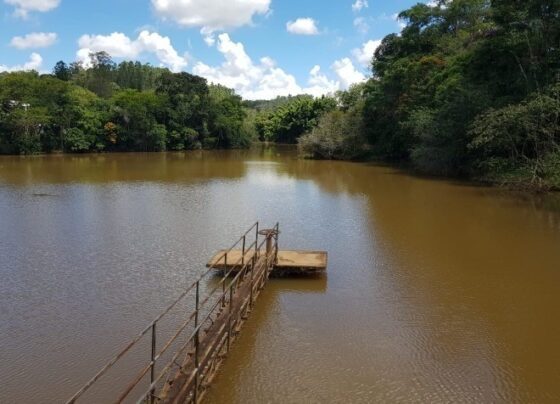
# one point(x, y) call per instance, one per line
point(525, 136)
point(156, 138)
point(77, 141)
point(338, 136)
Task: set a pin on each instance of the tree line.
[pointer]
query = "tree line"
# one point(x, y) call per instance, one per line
point(109, 107)
point(471, 87)
point(468, 88)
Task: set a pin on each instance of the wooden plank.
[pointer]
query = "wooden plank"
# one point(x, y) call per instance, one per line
point(289, 261)
point(233, 259)
point(302, 259)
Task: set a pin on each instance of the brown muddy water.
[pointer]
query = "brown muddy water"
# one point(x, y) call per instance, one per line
point(436, 291)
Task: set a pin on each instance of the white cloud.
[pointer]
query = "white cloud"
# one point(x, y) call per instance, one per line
point(347, 73)
point(265, 80)
point(319, 84)
point(119, 45)
point(24, 7)
point(34, 63)
point(34, 40)
point(238, 71)
point(361, 25)
point(302, 26)
point(364, 55)
point(208, 36)
point(163, 49)
point(359, 5)
point(116, 44)
point(211, 14)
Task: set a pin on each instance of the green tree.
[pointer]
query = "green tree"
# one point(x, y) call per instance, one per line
point(100, 77)
point(62, 71)
point(520, 142)
point(186, 98)
point(293, 118)
point(25, 127)
point(83, 119)
point(101, 106)
point(340, 133)
point(226, 117)
point(136, 114)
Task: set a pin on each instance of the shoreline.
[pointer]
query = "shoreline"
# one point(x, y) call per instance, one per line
point(512, 186)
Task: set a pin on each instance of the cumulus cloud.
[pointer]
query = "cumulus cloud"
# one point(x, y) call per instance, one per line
point(119, 45)
point(24, 7)
point(34, 63)
point(319, 84)
point(359, 5)
point(265, 80)
point(347, 73)
point(364, 55)
point(302, 26)
point(238, 71)
point(34, 40)
point(211, 15)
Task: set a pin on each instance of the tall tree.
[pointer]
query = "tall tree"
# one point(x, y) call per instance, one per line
point(62, 71)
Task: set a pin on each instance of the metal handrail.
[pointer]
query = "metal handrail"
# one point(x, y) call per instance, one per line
point(192, 316)
point(197, 330)
point(152, 325)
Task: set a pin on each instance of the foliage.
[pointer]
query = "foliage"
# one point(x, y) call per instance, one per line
point(339, 134)
point(228, 117)
point(468, 88)
point(293, 118)
point(125, 107)
point(524, 135)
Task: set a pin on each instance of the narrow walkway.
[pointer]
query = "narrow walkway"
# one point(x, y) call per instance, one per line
point(191, 381)
point(215, 321)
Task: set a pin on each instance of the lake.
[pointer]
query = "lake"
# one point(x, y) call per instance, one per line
point(437, 291)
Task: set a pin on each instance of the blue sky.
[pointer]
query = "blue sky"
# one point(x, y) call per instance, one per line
point(262, 48)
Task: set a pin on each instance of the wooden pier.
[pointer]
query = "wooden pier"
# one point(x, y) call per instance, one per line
point(287, 262)
point(204, 339)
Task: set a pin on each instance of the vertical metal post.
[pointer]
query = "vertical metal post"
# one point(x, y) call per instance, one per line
point(243, 257)
point(257, 240)
point(243, 253)
point(251, 289)
point(268, 244)
point(229, 333)
point(197, 302)
point(224, 282)
point(231, 286)
point(153, 364)
point(230, 312)
point(277, 234)
point(196, 341)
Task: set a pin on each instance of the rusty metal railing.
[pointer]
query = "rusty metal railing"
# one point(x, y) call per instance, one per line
point(220, 298)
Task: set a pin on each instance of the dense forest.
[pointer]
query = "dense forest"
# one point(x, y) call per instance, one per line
point(469, 88)
point(109, 107)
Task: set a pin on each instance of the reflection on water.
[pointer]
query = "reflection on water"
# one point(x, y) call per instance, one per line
point(436, 291)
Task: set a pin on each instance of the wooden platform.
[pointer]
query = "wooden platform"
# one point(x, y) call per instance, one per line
point(288, 263)
point(219, 309)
